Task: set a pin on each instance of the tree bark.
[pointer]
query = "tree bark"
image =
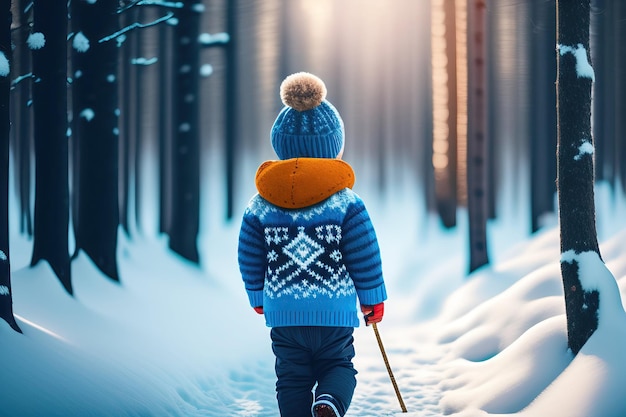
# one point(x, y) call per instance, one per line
point(95, 101)
point(542, 116)
point(477, 138)
point(6, 296)
point(445, 114)
point(231, 106)
point(186, 150)
point(575, 180)
point(51, 148)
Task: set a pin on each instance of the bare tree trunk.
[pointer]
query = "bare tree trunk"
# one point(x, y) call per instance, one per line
point(126, 121)
point(165, 127)
point(6, 296)
point(603, 46)
point(95, 101)
point(542, 116)
point(477, 161)
point(620, 89)
point(22, 123)
point(186, 150)
point(51, 148)
point(445, 111)
point(231, 141)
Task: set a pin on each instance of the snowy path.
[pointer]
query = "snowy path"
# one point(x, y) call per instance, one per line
point(416, 374)
point(249, 390)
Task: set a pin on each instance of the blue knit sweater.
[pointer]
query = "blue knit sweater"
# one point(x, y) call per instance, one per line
point(307, 266)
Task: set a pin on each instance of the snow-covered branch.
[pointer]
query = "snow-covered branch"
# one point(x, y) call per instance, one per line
point(136, 25)
point(158, 3)
point(21, 78)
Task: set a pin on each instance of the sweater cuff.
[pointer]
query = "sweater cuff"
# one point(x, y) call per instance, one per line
point(256, 298)
point(372, 296)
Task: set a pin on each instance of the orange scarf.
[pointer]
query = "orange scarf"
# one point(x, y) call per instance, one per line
point(301, 182)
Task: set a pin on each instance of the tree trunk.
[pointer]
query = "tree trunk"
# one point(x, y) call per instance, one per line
point(231, 106)
point(603, 46)
point(477, 138)
point(22, 124)
point(51, 149)
point(6, 296)
point(445, 111)
point(165, 111)
point(126, 117)
point(542, 116)
point(186, 150)
point(575, 166)
point(95, 103)
point(620, 90)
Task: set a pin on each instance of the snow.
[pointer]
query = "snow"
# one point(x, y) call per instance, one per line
point(207, 39)
point(206, 70)
point(80, 42)
point(586, 148)
point(198, 8)
point(36, 40)
point(583, 67)
point(5, 68)
point(175, 339)
point(88, 114)
point(144, 61)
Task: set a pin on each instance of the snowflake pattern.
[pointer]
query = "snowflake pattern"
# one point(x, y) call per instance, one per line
point(305, 262)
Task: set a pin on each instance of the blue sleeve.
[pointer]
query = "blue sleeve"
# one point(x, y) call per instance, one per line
point(252, 258)
point(362, 255)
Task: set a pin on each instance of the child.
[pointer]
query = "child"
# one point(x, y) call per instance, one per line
point(307, 250)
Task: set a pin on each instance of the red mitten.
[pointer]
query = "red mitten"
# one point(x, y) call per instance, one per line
point(259, 309)
point(373, 314)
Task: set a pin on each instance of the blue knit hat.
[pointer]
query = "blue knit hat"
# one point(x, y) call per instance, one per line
point(308, 125)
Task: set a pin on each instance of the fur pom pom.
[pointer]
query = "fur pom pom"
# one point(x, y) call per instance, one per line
point(302, 91)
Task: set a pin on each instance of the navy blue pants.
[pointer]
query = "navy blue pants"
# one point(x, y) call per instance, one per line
point(309, 355)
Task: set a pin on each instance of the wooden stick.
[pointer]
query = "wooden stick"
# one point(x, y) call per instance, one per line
point(393, 380)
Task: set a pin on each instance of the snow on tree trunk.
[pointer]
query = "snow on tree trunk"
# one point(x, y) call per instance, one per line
point(575, 179)
point(95, 103)
point(185, 220)
point(48, 42)
point(6, 298)
point(477, 164)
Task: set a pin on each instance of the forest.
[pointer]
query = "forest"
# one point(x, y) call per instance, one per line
point(106, 104)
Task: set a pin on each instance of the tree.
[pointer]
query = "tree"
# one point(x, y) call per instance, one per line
point(477, 161)
point(445, 110)
point(542, 116)
point(231, 106)
point(6, 297)
point(22, 117)
point(49, 43)
point(96, 132)
point(575, 179)
point(185, 221)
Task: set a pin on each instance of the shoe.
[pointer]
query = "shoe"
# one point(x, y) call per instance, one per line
point(324, 407)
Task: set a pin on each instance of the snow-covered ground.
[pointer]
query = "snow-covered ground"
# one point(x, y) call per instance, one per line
point(179, 340)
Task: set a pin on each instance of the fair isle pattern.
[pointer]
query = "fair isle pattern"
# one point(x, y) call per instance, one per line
point(339, 201)
point(307, 265)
